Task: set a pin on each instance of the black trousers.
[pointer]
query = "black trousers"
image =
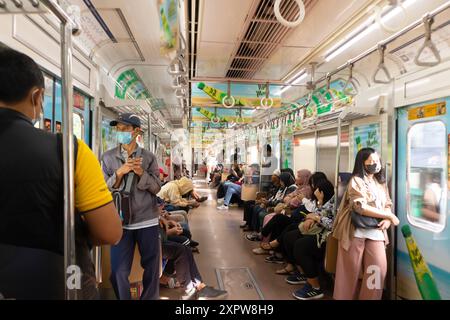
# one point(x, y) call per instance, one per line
point(287, 240)
point(248, 208)
point(186, 269)
point(277, 225)
point(308, 256)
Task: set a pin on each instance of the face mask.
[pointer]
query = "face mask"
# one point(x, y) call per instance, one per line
point(124, 137)
point(373, 168)
point(35, 119)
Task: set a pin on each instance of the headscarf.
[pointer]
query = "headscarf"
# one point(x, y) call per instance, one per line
point(287, 179)
point(304, 187)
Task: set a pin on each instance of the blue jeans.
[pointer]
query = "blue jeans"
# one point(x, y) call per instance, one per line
point(122, 255)
point(232, 189)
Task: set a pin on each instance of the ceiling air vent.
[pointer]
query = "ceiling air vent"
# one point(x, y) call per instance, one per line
point(261, 36)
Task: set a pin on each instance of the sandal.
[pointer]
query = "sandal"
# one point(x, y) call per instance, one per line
point(284, 271)
point(267, 246)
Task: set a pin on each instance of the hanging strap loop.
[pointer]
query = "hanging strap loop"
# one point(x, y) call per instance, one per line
point(428, 22)
point(381, 68)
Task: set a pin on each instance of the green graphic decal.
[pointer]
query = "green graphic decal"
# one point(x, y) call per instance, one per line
point(422, 273)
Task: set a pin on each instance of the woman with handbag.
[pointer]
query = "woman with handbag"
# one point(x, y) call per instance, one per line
point(364, 215)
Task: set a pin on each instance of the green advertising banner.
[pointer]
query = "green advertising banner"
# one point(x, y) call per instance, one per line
point(168, 25)
point(368, 135)
point(129, 83)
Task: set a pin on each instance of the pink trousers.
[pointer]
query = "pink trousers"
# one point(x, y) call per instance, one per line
point(364, 257)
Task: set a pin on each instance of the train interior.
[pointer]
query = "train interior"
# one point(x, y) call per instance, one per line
point(317, 80)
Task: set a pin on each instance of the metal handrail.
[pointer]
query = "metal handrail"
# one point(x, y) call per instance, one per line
point(68, 28)
point(388, 40)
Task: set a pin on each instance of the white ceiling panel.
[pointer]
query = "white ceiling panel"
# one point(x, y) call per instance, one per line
point(221, 20)
point(324, 19)
point(281, 63)
point(213, 59)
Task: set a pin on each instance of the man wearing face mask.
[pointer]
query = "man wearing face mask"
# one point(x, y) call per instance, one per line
point(32, 191)
point(132, 174)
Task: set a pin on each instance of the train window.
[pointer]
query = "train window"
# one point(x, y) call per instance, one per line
point(78, 126)
point(427, 176)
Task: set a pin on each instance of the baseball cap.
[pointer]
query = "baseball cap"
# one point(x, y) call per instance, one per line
point(127, 118)
point(161, 170)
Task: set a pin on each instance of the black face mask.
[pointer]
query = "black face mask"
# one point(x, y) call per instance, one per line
point(372, 168)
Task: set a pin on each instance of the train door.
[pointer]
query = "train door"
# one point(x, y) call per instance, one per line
point(423, 137)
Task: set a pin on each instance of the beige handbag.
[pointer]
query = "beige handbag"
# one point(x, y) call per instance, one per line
point(331, 252)
point(248, 192)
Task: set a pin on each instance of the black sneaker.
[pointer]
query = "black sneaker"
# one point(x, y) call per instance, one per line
point(296, 279)
point(210, 293)
point(274, 259)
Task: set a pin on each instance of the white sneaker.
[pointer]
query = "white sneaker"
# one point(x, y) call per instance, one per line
point(222, 207)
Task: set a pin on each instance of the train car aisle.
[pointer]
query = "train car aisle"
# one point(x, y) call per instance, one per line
point(226, 256)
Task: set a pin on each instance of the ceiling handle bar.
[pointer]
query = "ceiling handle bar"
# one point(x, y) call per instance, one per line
point(56, 9)
point(390, 39)
point(428, 43)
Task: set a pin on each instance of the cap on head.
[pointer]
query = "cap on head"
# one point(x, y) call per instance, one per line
point(128, 119)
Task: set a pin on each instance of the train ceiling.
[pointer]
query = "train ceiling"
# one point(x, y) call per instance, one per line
point(241, 39)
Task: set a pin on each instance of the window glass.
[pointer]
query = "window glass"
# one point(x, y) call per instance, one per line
point(426, 176)
point(78, 126)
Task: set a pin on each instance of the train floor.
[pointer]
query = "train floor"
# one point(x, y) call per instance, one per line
point(226, 259)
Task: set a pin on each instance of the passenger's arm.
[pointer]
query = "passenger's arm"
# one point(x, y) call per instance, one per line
point(104, 225)
point(149, 180)
point(357, 197)
point(93, 198)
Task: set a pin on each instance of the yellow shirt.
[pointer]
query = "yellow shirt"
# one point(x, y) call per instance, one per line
point(91, 191)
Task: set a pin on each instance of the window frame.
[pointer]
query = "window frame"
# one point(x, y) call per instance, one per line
point(435, 227)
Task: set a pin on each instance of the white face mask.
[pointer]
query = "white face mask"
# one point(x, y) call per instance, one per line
point(39, 116)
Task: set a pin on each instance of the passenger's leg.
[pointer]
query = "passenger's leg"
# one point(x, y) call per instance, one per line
point(375, 269)
point(232, 189)
point(121, 261)
point(175, 252)
point(348, 269)
point(281, 223)
point(306, 256)
point(149, 246)
point(288, 242)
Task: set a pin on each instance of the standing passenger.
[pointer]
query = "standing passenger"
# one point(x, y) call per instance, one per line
point(141, 218)
point(362, 250)
point(31, 191)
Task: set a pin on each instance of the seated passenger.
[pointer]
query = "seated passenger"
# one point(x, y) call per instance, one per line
point(178, 226)
point(173, 194)
point(187, 273)
point(287, 186)
point(272, 228)
point(324, 192)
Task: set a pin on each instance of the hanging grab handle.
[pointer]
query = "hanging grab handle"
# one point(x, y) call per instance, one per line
point(350, 81)
point(177, 66)
point(381, 68)
point(427, 22)
point(266, 102)
point(228, 97)
point(215, 119)
point(283, 21)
